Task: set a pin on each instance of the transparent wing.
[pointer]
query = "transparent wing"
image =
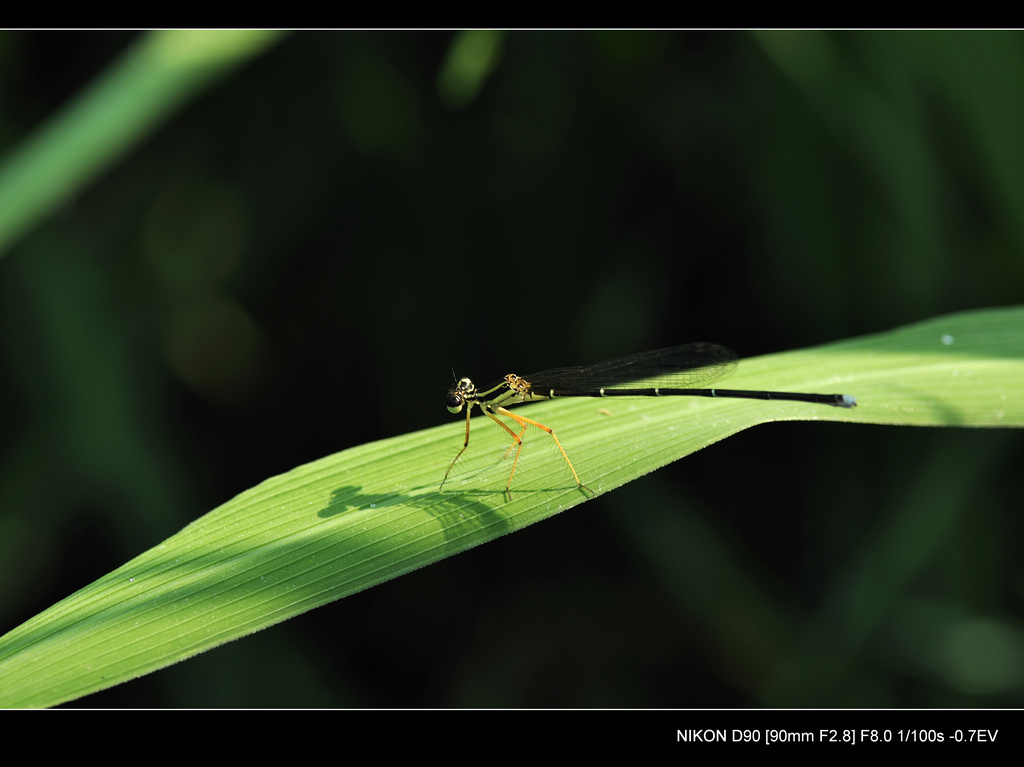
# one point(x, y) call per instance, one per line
point(689, 366)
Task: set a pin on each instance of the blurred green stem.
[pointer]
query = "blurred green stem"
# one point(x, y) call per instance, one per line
point(150, 81)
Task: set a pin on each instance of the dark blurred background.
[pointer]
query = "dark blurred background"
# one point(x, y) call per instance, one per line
point(297, 262)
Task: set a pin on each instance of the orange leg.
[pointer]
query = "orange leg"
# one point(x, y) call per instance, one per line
point(459, 455)
point(517, 444)
point(525, 422)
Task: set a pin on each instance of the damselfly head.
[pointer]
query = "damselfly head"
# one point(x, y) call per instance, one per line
point(457, 397)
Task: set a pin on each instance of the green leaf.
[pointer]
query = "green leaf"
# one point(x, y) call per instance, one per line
point(363, 516)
